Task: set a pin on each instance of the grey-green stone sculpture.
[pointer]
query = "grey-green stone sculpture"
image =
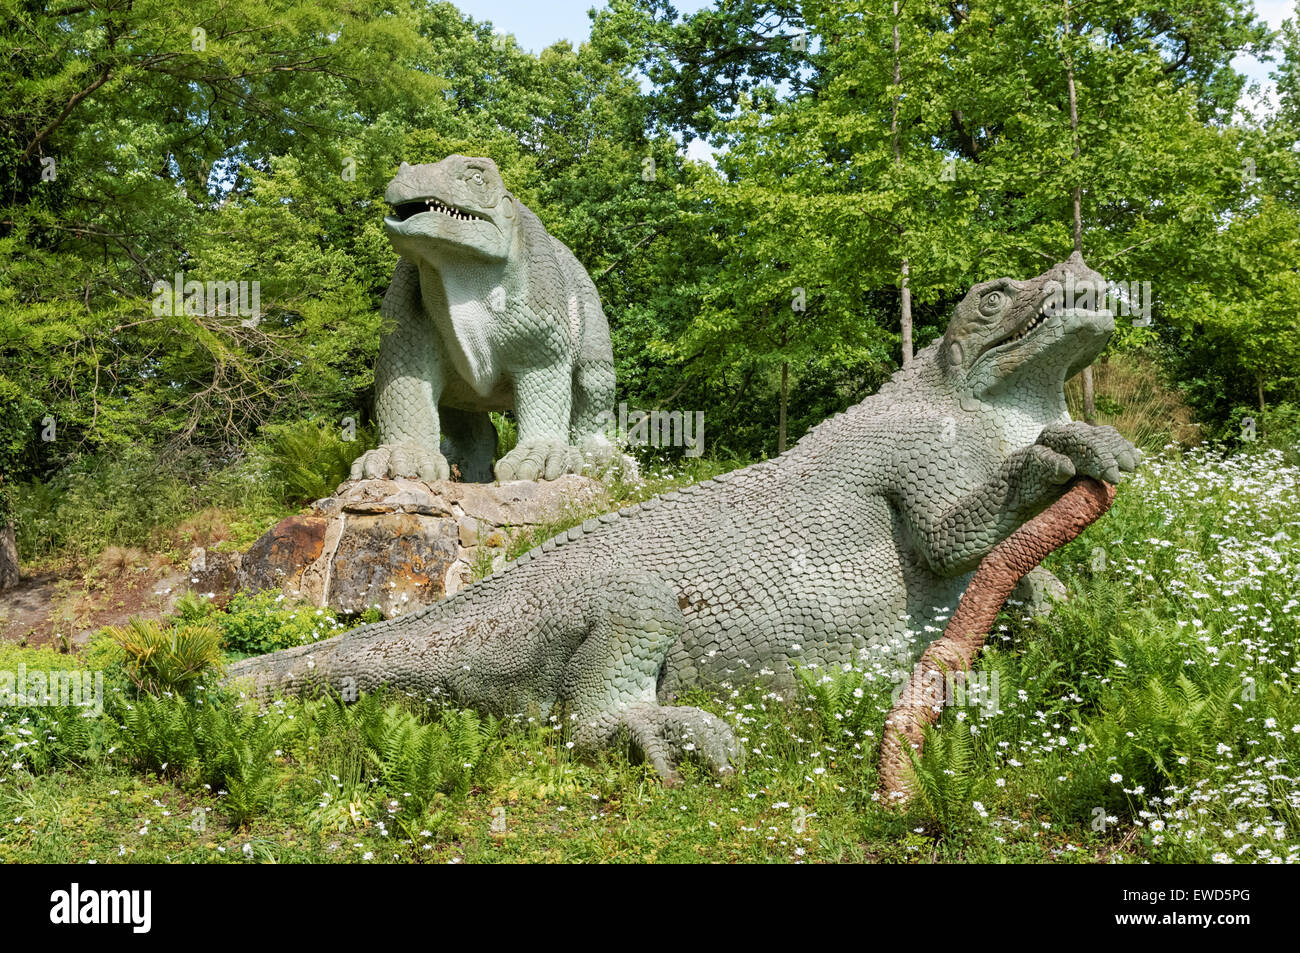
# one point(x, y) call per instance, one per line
point(486, 312)
point(867, 528)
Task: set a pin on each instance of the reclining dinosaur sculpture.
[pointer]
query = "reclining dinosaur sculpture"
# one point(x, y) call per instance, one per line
point(869, 527)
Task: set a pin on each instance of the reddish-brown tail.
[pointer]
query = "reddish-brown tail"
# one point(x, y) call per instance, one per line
point(964, 636)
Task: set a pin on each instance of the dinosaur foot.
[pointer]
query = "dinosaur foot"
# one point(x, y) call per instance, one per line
point(401, 460)
point(667, 736)
point(539, 459)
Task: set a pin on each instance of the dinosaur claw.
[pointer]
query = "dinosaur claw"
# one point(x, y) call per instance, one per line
point(545, 460)
point(1098, 452)
point(395, 461)
point(670, 735)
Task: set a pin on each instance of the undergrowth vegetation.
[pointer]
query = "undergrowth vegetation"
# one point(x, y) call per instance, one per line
point(1153, 717)
point(167, 503)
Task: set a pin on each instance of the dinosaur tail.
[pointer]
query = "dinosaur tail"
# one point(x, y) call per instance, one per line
point(348, 664)
point(301, 671)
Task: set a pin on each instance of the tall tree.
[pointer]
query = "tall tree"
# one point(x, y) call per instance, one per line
point(1083, 131)
point(905, 265)
point(1076, 199)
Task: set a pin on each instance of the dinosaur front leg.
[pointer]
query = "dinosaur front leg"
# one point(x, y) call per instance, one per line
point(631, 621)
point(408, 383)
point(593, 397)
point(954, 530)
point(543, 401)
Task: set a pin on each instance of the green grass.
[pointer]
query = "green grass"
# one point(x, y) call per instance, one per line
point(1153, 718)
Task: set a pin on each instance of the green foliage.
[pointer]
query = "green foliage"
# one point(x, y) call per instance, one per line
point(119, 499)
point(1236, 337)
point(945, 777)
point(1279, 428)
point(52, 737)
point(507, 433)
point(190, 607)
point(162, 658)
point(845, 705)
point(305, 461)
point(379, 753)
point(214, 744)
point(132, 499)
point(261, 622)
point(423, 764)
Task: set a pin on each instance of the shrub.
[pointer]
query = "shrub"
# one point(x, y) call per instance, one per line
point(844, 703)
point(306, 460)
point(47, 737)
point(141, 500)
point(420, 763)
point(210, 742)
point(945, 777)
point(257, 623)
point(122, 500)
point(162, 658)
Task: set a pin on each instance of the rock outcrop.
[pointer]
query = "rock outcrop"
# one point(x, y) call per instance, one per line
point(395, 544)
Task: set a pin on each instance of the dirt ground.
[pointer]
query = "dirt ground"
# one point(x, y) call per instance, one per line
point(63, 609)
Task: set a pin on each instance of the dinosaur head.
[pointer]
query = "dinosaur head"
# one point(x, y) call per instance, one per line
point(458, 206)
point(1040, 332)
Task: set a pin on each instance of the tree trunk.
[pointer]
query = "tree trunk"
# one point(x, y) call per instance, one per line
point(785, 399)
point(905, 269)
point(8, 545)
point(8, 558)
point(1089, 396)
point(953, 654)
point(1089, 393)
point(1259, 389)
point(905, 314)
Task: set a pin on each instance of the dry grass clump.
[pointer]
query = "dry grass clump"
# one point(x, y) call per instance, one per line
point(1132, 398)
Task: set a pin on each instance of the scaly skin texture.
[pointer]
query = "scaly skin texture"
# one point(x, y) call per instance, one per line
point(866, 529)
point(486, 311)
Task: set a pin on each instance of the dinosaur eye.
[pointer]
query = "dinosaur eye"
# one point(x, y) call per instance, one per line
point(476, 177)
point(992, 302)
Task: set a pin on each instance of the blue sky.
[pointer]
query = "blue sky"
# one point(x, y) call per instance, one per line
point(536, 24)
point(1274, 12)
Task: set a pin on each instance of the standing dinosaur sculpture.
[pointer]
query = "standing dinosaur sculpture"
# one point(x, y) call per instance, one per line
point(869, 527)
point(486, 312)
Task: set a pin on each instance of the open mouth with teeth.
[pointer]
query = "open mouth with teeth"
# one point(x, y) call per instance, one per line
point(407, 210)
point(1050, 308)
point(1043, 314)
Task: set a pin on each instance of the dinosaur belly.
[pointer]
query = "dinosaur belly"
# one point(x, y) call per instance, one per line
point(458, 394)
